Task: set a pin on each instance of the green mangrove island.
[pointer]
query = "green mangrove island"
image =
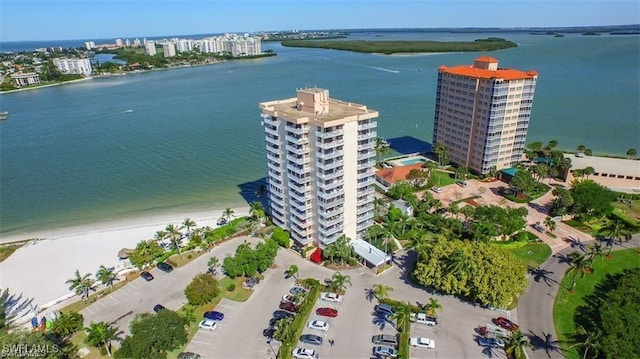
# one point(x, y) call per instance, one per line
point(398, 47)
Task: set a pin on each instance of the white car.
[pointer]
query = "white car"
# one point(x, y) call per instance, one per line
point(303, 353)
point(331, 297)
point(318, 325)
point(208, 324)
point(436, 189)
point(422, 342)
point(288, 298)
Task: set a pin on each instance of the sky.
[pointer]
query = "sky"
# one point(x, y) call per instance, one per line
point(33, 20)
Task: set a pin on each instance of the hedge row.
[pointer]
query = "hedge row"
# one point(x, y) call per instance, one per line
point(300, 320)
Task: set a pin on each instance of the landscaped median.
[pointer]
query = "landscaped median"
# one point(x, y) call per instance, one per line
point(292, 333)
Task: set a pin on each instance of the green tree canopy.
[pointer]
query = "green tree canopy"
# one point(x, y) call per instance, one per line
point(493, 277)
point(202, 289)
point(145, 253)
point(67, 324)
point(153, 335)
point(591, 199)
point(338, 251)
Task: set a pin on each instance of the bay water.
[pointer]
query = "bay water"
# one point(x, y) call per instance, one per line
point(190, 139)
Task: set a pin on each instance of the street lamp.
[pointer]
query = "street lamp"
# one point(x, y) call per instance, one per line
point(270, 347)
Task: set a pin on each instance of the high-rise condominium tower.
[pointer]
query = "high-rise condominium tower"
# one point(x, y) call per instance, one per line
point(320, 163)
point(482, 113)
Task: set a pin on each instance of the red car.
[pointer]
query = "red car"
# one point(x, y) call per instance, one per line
point(327, 312)
point(289, 307)
point(505, 323)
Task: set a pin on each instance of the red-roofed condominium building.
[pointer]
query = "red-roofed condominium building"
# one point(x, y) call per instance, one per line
point(320, 165)
point(482, 113)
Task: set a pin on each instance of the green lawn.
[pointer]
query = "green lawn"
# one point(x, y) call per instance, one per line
point(532, 253)
point(442, 179)
point(6, 251)
point(566, 302)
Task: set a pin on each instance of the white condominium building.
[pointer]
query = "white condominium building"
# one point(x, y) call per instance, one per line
point(169, 49)
point(212, 44)
point(73, 66)
point(243, 46)
point(25, 79)
point(482, 113)
point(320, 164)
point(150, 48)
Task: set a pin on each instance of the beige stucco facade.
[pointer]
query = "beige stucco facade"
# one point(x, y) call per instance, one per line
point(320, 164)
point(482, 113)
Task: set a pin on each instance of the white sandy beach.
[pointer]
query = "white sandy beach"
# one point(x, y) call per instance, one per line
point(40, 268)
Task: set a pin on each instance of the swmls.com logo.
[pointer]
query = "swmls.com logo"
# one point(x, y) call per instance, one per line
point(27, 350)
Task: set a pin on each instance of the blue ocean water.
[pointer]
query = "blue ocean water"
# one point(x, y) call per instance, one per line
point(74, 154)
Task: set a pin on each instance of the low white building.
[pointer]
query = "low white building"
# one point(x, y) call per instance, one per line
point(21, 79)
point(73, 66)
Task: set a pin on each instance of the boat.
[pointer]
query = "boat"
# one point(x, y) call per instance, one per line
point(127, 111)
point(4, 115)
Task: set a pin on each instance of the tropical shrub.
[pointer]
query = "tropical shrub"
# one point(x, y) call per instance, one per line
point(202, 289)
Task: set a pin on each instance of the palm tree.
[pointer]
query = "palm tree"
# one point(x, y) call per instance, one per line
point(381, 291)
point(433, 307)
point(587, 340)
point(102, 334)
point(551, 224)
point(188, 223)
point(339, 281)
point(292, 271)
point(213, 266)
point(632, 152)
point(617, 230)
point(381, 148)
point(594, 251)
point(160, 235)
point(578, 262)
point(516, 344)
point(402, 315)
point(257, 211)
point(175, 234)
point(81, 284)
point(107, 275)
point(581, 148)
point(228, 212)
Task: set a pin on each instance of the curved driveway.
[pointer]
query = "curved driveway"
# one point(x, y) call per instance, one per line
point(535, 309)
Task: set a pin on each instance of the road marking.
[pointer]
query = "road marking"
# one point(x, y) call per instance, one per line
point(200, 342)
point(123, 292)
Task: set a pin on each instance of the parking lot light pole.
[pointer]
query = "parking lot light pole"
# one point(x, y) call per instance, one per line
point(270, 347)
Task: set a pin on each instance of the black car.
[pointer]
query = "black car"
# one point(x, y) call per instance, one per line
point(283, 314)
point(146, 275)
point(188, 355)
point(269, 332)
point(165, 267)
point(158, 307)
point(311, 339)
point(273, 321)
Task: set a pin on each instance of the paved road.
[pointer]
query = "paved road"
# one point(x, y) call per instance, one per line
point(535, 309)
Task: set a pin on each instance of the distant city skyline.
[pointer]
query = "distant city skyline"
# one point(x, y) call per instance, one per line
point(43, 20)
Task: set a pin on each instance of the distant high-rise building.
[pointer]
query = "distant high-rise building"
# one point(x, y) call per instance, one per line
point(150, 48)
point(320, 164)
point(119, 42)
point(136, 42)
point(127, 43)
point(73, 66)
point(482, 113)
point(89, 45)
point(184, 45)
point(169, 49)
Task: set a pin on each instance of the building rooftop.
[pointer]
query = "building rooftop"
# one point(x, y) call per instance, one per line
point(397, 173)
point(370, 253)
point(472, 71)
point(294, 110)
point(606, 165)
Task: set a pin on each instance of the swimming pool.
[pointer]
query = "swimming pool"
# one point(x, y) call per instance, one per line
point(412, 161)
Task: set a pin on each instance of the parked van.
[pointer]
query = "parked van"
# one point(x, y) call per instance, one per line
point(421, 318)
point(389, 340)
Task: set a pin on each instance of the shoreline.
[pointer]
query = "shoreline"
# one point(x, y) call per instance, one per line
point(38, 270)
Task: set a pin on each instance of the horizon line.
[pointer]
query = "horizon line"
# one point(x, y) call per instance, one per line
point(522, 28)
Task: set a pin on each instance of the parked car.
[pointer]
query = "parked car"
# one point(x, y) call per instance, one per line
point(146, 275)
point(158, 307)
point(318, 325)
point(389, 340)
point(505, 323)
point(462, 183)
point(311, 339)
point(282, 314)
point(288, 298)
point(304, 353)
point(208, 324)
point(385, 351)
point(491, 342)
point(331, 297)
point(384, 309)
point(422, 342)
point(213, 315)
point(273, 321)
point(251, 282)
point(436, 189)
point(188, 355)
point(327, 312)
point(289, 307)
point(165, 267)
point(269, 332)
point(421, 318)
point(296, 290)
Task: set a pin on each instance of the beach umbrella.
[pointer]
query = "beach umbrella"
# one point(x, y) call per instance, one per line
point(124, 253)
